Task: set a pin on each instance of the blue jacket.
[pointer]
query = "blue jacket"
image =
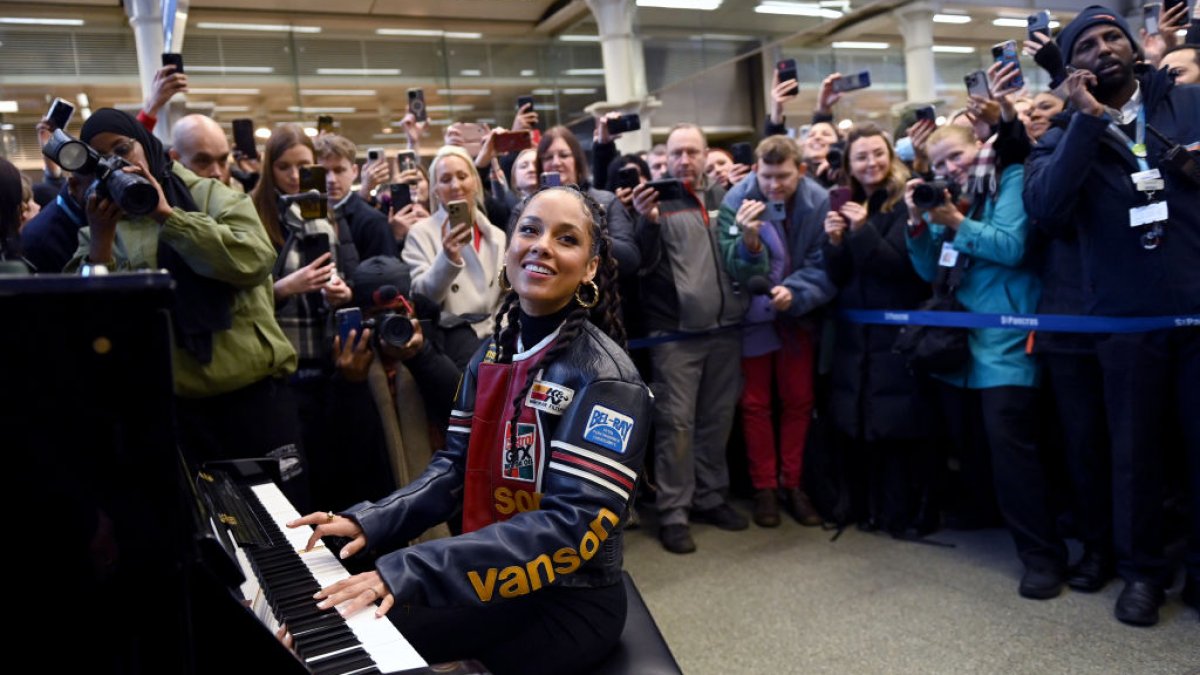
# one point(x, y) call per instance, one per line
point(1079, 185)
point(996, 282)
point(50, 239)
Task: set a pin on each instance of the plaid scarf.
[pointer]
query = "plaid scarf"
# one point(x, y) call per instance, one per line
point(981, 179)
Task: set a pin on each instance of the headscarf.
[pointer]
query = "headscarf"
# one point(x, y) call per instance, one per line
point(202, 304)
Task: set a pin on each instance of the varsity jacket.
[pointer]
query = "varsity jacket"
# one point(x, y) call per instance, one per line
point(549, 510)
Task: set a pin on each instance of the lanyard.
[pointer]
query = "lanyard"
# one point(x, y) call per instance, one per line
point(1138, 148)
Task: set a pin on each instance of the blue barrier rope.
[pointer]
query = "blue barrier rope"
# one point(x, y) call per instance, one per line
point(1050, 323)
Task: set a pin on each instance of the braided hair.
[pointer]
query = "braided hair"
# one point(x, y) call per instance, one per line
point(605, 314)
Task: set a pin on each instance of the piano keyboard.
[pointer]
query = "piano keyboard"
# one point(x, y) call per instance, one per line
point(281, 580)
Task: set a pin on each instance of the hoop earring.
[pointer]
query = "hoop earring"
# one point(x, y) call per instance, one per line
point(595, 295)
point(503, 279)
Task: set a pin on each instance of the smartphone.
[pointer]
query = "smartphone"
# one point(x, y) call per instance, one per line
point(1150, 17)
point(406, 160)
point(629, 177)
point(627, 122)
point(401, 195)
point(312, 177)
point(313, 246)
point(523, 101)
point(375, 154)
point(60, 113)
point(787, 71)
point(977, 84)
point(860, 80)
point(1038, 23)
point(1168, 5)
point(349, 319)
point(776, 211)
point(172, 59)
point(551, 179)
point(838, 197)
point(513, 141)
point(669, 189)
point(743, 153)
point(416, 104)
point(460, 218)
point(243, 137)
point(926, 113)
point(1005, 53)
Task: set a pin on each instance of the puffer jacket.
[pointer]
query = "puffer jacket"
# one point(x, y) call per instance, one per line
point(549, 511)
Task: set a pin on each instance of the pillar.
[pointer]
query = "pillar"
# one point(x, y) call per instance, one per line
point(624, 67)
point(916, 26)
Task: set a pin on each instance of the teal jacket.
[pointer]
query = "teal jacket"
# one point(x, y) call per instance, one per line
point(997, 281)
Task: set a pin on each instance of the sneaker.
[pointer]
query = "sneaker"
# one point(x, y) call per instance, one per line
point(798, 504)
point(723, 516)
point(677, 539)
point(766, 508)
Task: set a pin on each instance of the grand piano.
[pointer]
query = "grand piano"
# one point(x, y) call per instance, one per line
point(127, 559)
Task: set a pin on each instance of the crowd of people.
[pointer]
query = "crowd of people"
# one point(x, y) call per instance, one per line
point(485, 432)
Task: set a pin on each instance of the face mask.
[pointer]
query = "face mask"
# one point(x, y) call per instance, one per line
point(904, 150)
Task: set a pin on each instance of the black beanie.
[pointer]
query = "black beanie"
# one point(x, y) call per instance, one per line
point(375, 273)
point(1094, 16)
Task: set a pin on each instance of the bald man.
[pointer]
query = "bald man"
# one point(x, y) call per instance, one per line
point(199, 143)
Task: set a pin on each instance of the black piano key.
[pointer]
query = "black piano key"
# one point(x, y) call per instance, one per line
point(312, 647)
point(349, 661)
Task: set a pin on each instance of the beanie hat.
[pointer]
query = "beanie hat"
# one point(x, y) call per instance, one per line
point(1094, 16)
point(377, 272)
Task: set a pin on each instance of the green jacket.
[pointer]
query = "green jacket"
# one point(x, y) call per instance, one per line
point(224, 240)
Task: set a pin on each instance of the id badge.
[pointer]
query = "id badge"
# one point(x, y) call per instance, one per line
point(1154, 212)
point(1150, 180)
point(949, 256)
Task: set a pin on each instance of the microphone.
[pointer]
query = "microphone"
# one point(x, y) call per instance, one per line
point(310, 194)
point(759, 285)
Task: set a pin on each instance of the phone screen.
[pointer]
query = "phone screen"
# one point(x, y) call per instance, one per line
point(314, 246)
point(669, 189)
point(243, 137)
point(1005, 53)
point(787, 71)
point(312, 177)
point(60, 113)
point(551, 179)
point(324, 124)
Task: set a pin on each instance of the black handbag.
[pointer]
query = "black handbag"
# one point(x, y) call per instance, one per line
point(938, 349)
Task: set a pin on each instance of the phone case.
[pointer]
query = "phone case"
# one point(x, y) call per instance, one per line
point(1006, 52)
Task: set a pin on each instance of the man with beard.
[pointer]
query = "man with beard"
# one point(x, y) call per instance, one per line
point(1101, 173)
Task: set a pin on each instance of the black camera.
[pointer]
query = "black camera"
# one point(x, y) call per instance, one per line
point(932, 194)
point(133, 193)
point(837, 152)
point(392, 329)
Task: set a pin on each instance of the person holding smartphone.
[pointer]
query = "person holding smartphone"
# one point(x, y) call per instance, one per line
point(456, 263)
point(402, 218)
point(879, 414)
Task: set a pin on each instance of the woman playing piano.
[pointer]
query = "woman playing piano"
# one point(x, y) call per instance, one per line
point(544, 447)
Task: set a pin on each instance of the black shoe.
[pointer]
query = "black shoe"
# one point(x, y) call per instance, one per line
point(1191, 592)
point(677, 539)
point(766, 508)
point(1092, 573)
point(1138, 604)
point(723, 516)
point(1040, 584)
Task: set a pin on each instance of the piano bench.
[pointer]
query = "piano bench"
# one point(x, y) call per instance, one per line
point(642, 649)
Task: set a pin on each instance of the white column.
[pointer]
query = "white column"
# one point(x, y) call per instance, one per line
point(146, 18)
point(916, 26)
point(624, 67)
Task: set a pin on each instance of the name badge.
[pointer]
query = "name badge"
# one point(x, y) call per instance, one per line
point(1148, 181)
point(733, 230)
point(949, 256)
point(1154, 212)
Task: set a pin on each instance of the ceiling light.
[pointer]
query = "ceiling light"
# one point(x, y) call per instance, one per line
point(860, 45)
point(337, 92)
point(951, 18)
point(464, 92)
point(230, 108)
point(263, 70)
point(527, 73)
point(1009, 22)
point(953, 49)
point(29, 21)
point(262, 132)
point(579, 38)
point(845, 124)
point(224, 91)
point(8, 106)
point(584, 71)
point(721, 37)
point(426, 32)
point(470, 72)
point(797, 9)
point(702, 5)
point(321, 110)
point(579, 91)
point(311, 132)
point(260, 27)
point(545, 106)
point(463, 36)
point(542, 92)
point(940, 121)
point(449, 108)
point(439, 123)
point(358, 71)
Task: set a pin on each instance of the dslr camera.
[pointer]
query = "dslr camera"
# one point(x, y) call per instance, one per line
point(133, 193)
point(393, 327)
point(931, 194)
point(836, 154)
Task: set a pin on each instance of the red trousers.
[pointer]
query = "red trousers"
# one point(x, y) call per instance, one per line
point(791, 369)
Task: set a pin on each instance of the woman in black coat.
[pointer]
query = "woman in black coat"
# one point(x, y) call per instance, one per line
point(878, 414)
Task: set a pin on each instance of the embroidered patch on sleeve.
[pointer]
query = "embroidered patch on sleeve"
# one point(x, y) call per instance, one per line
point(608, 428)
point(549, 397)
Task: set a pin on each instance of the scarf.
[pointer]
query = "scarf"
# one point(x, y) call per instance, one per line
point(201, 305)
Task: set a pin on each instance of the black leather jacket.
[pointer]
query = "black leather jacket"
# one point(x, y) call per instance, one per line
point(592, 417)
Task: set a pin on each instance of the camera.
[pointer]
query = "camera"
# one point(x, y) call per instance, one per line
point(133, 193)
point(931, 194)
point(393, 327)
point(835, 155)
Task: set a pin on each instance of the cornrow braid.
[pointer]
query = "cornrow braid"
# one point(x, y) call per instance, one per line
point(506, 344)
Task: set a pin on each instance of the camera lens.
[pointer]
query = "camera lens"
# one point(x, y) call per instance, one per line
point(395, 330)
point(134, 194)
point(930, 195)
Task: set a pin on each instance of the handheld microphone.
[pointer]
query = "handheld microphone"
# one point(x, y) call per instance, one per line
point(759, 285)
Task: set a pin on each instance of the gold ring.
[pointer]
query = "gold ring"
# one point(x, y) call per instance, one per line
point(329, 515)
